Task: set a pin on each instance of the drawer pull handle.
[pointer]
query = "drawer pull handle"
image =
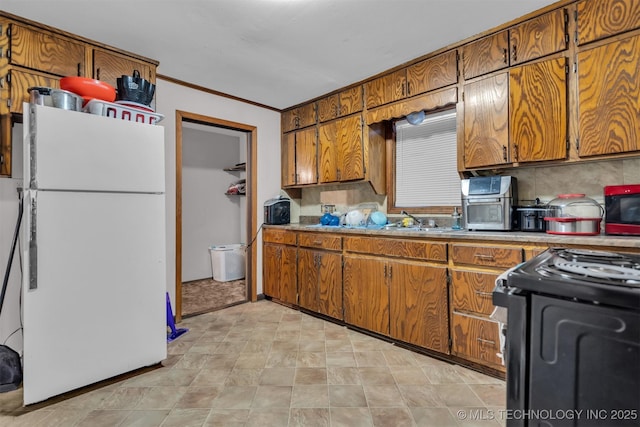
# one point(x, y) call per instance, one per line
point(484, 294)
point(317, 242)
point(483, 256)
point(486, 341)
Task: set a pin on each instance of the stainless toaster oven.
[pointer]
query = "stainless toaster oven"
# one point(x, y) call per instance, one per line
point(487, 202)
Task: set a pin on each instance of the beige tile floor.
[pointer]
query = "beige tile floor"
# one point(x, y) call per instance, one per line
point(263, 364)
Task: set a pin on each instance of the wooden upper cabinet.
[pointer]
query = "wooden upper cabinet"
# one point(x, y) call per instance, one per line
point(388, 88)
point(340, 104)
point(307, 156)
point(539, 37)
point(288, 159)
point(608, 94)
point(341, 156)
point(432, 73)
point(299, 117)
point(538, 111)
point(23, 80)
point(604, 18)
point(109, 66)
point(488, 54)
point(486, 121)
point(43, 51)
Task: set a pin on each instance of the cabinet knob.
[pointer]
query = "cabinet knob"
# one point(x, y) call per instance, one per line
point(514, 54)
point(504, 152)
point(97, 73)
point(505, 56)
point(515, 152)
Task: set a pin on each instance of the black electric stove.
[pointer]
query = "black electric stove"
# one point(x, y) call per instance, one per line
point(573, 339)
point(598, 277)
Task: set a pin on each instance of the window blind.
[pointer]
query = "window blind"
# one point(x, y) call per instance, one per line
point(426, 162)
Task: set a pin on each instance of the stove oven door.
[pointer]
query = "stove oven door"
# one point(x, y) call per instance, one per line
point(515, 357)
point(584, 357)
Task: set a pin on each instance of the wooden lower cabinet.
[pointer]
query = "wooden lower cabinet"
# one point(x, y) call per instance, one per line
point(418, 304)
point(476, 339)
point(320, 282)
point(279, 265)
point(366, 293)
point(405, 300)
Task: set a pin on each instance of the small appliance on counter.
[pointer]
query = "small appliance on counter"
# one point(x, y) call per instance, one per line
point(487, 202)
point(622, 209)
point(530, 216)
point(277, 211)
point(574, 214)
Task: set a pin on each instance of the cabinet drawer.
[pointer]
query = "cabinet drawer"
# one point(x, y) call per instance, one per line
point(490, 256)
point(318, 240)
point(279, 236)
point(476, 339)
point(414, 249)
point(472, 291)
point(45, 52)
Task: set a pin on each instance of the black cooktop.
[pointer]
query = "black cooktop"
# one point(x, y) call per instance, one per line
point(598, 277)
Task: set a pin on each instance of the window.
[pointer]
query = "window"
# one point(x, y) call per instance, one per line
point(426, 169)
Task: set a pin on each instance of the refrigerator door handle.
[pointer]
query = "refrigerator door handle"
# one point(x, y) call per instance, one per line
point(33, 246)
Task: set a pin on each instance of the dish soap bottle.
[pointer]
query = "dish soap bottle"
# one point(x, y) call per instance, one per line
point(456, 224)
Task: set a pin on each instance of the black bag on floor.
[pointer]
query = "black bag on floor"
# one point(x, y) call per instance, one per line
point(10, 369)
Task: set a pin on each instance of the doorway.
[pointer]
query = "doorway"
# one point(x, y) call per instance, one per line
point(247, 135)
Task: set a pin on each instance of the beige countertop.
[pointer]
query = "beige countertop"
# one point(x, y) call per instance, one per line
point(498, 236)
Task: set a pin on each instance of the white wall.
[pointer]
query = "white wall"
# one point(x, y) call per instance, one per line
point(172, 97)
point(209, 217)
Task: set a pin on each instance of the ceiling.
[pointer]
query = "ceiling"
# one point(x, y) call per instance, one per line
point(274, 52)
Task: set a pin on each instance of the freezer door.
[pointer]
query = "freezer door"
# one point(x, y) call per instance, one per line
point(97, 308)
point(69, 150)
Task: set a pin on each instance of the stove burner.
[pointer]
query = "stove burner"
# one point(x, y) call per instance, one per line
point(583, 265)
point(616, 272)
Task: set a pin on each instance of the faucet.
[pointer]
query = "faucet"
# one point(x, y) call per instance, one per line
point(418, 221)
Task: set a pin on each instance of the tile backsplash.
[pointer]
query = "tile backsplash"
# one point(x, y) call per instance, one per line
point(544, 182)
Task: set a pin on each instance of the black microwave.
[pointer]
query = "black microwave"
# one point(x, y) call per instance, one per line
point(277, 211)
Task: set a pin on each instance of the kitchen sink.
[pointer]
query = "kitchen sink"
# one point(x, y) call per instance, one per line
point(424, 229)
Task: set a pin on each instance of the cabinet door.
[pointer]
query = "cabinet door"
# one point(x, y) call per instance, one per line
point(108, 66)
point(432, 73)
point(271, 270)
point(488, 54)
point(327, 152)
point(308, 266)
point(23, 80)
point(328, 108)
point(385, 89)
point(349, 148)
point(288, 275)
point(538, 110)
point(486, 121)
point(330, 284)
point(539, 37)
point(608, 94)
point(306, 156)
point(604, 18)
point(299, 117)
point(45, 52)
point(350, 101)
point(288, 166)
point(366, 295)
point(418, 305)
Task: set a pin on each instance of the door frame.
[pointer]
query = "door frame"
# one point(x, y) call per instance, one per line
point(251, 188)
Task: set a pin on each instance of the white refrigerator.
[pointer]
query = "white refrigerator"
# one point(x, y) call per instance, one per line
point(93, 242)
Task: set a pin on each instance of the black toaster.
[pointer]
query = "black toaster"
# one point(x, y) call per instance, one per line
point(277, 211)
